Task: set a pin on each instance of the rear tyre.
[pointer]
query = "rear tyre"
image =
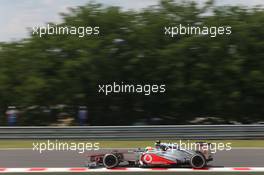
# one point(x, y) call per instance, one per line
point(198, 161)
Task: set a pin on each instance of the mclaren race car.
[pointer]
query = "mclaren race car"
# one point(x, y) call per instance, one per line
point(162, 155)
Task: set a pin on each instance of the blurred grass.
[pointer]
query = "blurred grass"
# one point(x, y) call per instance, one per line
point(127, 144)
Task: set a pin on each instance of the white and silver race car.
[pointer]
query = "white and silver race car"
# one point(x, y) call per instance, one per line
point(162, 155)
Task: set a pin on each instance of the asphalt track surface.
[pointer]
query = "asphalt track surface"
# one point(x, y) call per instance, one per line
point(29, 158)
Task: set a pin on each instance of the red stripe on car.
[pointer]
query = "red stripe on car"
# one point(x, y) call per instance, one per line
point(150, 158)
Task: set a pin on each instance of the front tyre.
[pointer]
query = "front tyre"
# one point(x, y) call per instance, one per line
point(110, 161)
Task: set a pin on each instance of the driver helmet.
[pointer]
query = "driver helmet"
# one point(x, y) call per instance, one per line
point(157, 143)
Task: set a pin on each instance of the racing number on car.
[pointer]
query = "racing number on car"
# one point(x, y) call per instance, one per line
point(147, 158)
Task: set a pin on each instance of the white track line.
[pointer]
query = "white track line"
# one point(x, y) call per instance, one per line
point(80, 169)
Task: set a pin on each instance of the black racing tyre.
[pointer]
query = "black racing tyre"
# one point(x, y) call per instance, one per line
point(110, 161)
point(198, 161)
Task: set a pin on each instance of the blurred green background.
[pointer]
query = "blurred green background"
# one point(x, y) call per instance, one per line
point(217, 80)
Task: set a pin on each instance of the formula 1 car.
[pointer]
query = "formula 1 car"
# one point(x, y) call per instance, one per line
point(163, 155)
